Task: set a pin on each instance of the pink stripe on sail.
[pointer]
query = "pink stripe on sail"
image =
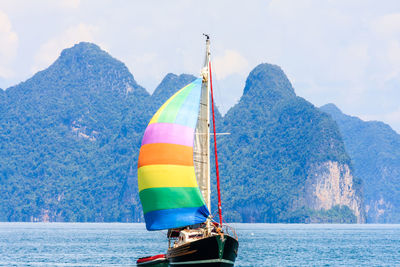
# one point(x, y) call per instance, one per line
point(169, 133)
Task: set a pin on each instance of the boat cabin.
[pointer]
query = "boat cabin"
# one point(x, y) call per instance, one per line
point(189, 235)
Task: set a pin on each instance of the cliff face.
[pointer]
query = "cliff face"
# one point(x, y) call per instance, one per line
point(375, 151)
point(377, 210)
point(330, 184)
point(288, 154)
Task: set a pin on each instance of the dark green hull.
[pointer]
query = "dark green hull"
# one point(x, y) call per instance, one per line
point(212, 251)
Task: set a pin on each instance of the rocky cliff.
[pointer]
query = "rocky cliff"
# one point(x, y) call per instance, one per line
point(330, 184)
point(288, 154)
point(375, 151)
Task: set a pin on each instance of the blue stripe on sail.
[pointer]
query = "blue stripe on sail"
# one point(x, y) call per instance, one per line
point(174, 218)
point(189, 110)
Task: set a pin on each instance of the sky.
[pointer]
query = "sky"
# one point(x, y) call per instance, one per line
point(345, 52)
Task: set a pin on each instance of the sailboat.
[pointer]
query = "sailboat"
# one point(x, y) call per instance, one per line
point(174, 179)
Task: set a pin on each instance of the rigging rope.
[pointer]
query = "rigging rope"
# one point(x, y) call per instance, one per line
point(215, 148)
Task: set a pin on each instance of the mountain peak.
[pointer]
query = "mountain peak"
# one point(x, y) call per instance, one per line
point(87, 67)
point(87, 55)
point(171, 77)
point(168, 86)
point(87, 63)
point(82, 48)
point(172, 82)
point(331, 108)
point(268, 77)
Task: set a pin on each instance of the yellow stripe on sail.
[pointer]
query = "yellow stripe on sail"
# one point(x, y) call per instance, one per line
point(161, 109)
point(151, 176)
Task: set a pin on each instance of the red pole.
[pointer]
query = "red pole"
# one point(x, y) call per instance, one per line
point(215, 148)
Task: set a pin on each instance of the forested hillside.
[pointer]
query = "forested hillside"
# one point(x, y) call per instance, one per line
point(375, 150)
point(70, 136)
point(276, 139)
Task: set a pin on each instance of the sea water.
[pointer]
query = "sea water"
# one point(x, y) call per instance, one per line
point(120, 244)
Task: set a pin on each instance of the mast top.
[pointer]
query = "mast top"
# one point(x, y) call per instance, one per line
point(205, 70)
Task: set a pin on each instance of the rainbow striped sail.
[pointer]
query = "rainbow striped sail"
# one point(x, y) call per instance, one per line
point(168, 188)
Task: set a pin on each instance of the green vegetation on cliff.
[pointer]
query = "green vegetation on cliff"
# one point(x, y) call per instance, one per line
point(70, 136)
point(275, 138)
point(336, 214)
point(375, 151)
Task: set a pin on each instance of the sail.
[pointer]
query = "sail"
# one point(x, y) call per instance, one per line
point(202, 146)
point(168, 188)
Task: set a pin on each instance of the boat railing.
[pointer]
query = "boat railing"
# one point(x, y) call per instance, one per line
point(229, 231)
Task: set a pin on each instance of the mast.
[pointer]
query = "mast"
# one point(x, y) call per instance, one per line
point(202, 137)
point(201, 153)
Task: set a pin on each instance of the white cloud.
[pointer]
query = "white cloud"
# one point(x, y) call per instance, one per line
point(387, 25)
point(49, 51)
point(394, 116)
point(70, 3)
point(8, 45)
point(393, 56)
point(231, 62)
point(148, 66)
point(387, 32)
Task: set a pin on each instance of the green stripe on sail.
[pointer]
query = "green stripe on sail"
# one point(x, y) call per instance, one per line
point(169, 113)
point(170, 198)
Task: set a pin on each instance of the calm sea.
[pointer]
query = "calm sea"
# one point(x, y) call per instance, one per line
point(98, 244)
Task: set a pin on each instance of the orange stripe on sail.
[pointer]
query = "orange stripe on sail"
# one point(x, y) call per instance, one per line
point(163, 153)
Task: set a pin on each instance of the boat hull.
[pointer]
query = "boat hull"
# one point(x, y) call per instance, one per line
point(154, 264)
point(211, 251)
point(154, 261)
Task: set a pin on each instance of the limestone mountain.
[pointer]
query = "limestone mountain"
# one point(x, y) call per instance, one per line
point(69, 137)
point(285, 160)
point(375, 151)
